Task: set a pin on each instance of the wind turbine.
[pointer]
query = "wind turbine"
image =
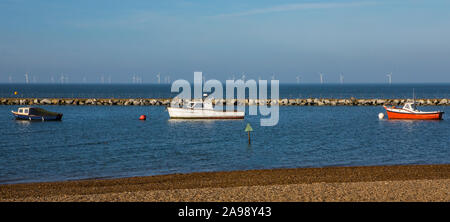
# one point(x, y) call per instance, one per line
point(243, 77)
point(389, 75)
point(321, 77)
point(159, 78)
point(26, 78)
point(273, 76)
point(341, 78)
point(298, 79)
point(10, 79)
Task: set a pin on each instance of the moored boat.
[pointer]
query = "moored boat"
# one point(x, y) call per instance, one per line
point(409, 111)
point(202, 110)
point(35, 113)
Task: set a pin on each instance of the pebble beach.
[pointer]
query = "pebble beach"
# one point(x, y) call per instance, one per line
point(428, 183)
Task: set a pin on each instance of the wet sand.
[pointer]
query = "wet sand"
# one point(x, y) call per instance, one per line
point(374, 183)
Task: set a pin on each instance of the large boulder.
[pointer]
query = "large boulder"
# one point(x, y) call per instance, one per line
point(292, 102)
point(252, 102)
point(46, 102)
point(55, 101)
point(89, 101)
point(380, 101)
point(361, 101)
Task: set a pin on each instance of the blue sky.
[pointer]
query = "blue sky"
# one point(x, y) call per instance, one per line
point(115, 39)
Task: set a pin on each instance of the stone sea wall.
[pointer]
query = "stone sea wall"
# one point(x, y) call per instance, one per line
point(165, 102)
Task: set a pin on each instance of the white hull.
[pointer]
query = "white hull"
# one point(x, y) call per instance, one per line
point(187, 113)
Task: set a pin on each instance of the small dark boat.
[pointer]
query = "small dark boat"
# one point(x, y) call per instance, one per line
point(35, 113)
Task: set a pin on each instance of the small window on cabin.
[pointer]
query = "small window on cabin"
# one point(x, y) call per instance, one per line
point(25, 110)
point(20, 110)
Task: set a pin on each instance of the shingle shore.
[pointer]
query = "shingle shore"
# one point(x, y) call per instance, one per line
point(165, 102)
point(374, 183)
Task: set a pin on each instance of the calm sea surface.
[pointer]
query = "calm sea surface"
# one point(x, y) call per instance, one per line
point(110, 141)
point(286, 90)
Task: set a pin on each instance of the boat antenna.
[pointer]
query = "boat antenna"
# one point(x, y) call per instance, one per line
point(414, 97)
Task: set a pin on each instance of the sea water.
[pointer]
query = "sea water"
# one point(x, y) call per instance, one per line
point(110, 142)
point(366, 91)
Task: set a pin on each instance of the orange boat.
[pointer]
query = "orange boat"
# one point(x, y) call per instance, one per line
point(409, 111)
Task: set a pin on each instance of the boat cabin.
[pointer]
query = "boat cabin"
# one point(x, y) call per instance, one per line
point(30, 111)
point(410, 106)
point(24, 111)
point(199, 105)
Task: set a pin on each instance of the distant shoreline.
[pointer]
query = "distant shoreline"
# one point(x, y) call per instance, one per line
point(367, 183)
point(248, 102)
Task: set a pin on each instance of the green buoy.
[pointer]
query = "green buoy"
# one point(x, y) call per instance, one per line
point(248, 129)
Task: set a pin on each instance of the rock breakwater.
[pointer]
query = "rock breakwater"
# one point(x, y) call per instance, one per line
point(166, 102)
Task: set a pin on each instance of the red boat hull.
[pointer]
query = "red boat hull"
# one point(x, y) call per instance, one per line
point(428, 116)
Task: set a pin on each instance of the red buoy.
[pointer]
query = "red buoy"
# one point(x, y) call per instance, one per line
point(143, 117)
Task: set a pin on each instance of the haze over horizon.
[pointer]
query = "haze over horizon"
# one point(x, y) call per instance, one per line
point(124, 42)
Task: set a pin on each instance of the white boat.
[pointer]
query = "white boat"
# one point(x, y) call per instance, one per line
point(202, 110)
